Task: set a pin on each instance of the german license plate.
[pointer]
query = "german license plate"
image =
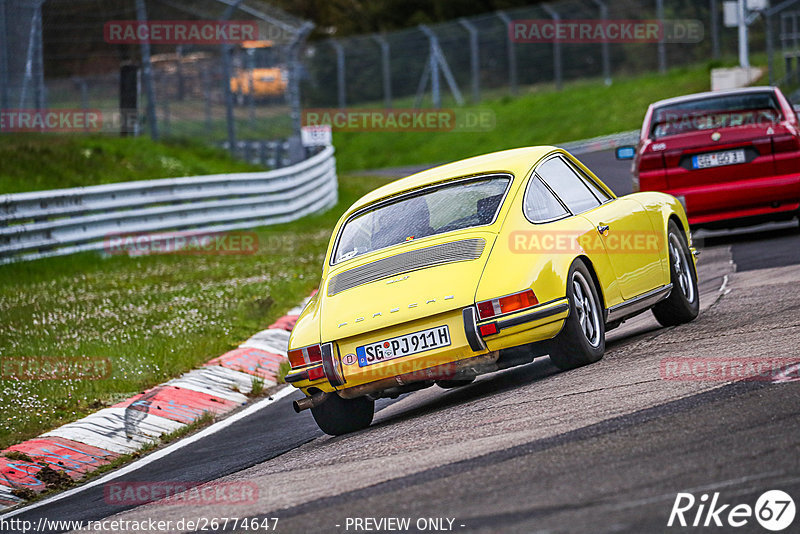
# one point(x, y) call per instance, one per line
point(718, 159)
point(405, 345)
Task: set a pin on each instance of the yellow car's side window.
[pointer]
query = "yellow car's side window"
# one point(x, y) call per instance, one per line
point(540, 203)
point(567, 185)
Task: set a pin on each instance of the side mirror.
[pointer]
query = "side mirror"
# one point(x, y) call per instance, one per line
point(625, 152)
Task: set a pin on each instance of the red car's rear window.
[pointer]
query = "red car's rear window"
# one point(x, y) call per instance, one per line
point(725, 111)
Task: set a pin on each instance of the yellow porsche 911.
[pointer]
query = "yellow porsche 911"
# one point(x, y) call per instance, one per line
point(481, 265)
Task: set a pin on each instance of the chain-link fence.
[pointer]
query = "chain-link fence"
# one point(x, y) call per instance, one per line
point(231, 78)
point(245, 94)
point(782, 28)
point(483, 59)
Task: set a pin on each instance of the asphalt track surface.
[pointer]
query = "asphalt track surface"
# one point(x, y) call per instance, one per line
point(604, 448)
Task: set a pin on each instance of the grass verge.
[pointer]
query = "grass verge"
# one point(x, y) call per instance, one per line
point(540, 115)
point(32, 162)
point(152, 317)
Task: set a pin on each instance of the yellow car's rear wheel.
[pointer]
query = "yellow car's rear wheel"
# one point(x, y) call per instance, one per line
point(337, 416)
point(582, 340)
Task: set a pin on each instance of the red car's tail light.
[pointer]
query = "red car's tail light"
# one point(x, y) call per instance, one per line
point(763, 145)
point(785, 143)
point(651, 162)
point(515, 302)
point(305, 356)
point(672, 158)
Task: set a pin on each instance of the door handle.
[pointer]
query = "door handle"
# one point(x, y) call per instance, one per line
point(603, 229)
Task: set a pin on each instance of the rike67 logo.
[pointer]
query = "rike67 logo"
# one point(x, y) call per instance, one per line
point(774, 510)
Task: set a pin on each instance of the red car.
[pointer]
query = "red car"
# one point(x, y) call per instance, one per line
point(731, 157)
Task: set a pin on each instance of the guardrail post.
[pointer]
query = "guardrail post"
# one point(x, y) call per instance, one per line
point(167, 118)
point(251, 89)
point(84, 89)
point(604, 45)
point(147, 74)
point(293, 52)
point(227, 49)
point(39, 88)
point(512, 52)
point(340, 78)
point(714, 11)
point(179, 72)
point(128, 99)
point(206, 81)
point(474, 58)
point(33, 56)
point(385, 70)
point(433, 69)
point(436, 61)
point(4, 97)
point(662, 51)
point(557, 72)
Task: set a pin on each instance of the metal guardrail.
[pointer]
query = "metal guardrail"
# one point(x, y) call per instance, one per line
point(64, 221)
point(604, 142)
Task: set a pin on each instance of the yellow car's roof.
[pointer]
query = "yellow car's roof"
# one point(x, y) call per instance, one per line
point(517, 161)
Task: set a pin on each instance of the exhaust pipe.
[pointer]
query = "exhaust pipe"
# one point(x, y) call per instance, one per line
point(310, 402)
point(449, 371)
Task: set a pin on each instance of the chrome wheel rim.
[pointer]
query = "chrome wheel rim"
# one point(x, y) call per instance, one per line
point(586, 308)
point(681, 267)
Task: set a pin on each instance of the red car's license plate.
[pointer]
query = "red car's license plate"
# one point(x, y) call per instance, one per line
point(718, 159)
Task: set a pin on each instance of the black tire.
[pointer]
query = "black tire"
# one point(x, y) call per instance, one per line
point(683, 303)
point(450, 384)
point(337, 416)
point(582, 340)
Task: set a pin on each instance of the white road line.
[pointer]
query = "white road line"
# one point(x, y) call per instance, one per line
point(724, 287)
point(157, 455)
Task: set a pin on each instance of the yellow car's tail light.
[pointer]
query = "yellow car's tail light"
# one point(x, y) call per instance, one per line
point(305, 356)
point(510, 303)
point(316, 373)
point(488, 329)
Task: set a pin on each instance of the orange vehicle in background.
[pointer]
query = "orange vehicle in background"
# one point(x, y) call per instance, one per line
point(259, 70)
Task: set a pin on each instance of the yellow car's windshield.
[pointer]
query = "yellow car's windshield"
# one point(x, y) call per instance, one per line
point(435, 210)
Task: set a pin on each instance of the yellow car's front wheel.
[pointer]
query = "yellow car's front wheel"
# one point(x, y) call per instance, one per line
point(683, 303)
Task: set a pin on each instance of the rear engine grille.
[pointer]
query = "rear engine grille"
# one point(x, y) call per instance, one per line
point(467, 249)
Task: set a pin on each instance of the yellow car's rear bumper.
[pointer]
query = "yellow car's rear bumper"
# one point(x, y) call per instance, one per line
point(341, 372)
point(535, 324)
